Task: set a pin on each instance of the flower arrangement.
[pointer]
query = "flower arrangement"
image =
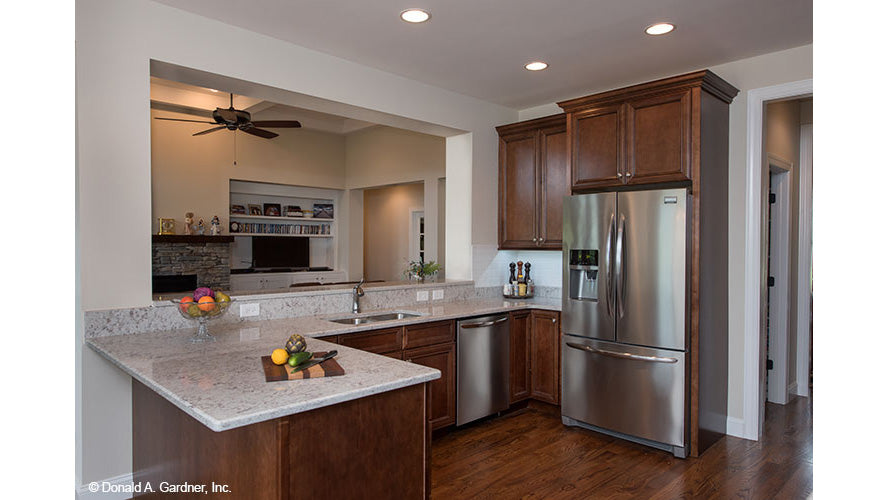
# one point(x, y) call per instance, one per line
point(418, 270)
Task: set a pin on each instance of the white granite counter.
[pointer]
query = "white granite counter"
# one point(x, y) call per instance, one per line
point(222, 385)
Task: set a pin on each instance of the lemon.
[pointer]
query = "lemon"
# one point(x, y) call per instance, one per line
point(279, 356)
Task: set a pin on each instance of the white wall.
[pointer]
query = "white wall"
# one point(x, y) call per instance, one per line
point(115, 43)
point(770, 69)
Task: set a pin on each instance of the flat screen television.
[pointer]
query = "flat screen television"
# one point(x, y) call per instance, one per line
point(280, 251)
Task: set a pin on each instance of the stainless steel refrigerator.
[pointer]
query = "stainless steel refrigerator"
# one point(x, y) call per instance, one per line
point(624, 309)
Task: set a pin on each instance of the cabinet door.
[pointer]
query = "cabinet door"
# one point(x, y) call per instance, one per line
point(519, 381)
point(442, 403)
point(554, 185)
point(658, 131)
point(596, 147)
point(545, 356)
point(518, 190)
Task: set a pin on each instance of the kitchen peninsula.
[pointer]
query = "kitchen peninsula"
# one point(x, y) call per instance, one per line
point(203, 413)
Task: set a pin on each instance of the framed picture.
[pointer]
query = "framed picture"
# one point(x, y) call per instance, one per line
point(166, 226)
point(238, 209)
point(293, 211)
point(323, 210)
point(272, 209)
point(255, 209)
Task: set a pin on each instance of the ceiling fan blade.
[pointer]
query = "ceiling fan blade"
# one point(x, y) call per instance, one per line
point(265, 134)
point(207, 131)
point(181, 120)
point(278, 123)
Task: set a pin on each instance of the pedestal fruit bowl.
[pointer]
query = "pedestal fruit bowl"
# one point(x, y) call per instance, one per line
point(203, 306)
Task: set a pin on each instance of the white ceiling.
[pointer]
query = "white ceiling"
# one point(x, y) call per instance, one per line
point(479, 48)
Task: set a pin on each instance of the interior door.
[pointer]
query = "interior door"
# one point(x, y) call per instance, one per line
point(650, 263)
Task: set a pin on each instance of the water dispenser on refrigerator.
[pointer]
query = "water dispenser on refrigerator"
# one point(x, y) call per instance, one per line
point(583, 283)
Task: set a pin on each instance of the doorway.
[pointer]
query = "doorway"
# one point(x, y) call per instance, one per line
point(755, 290)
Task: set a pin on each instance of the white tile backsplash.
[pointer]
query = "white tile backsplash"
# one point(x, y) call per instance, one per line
point(491, 266)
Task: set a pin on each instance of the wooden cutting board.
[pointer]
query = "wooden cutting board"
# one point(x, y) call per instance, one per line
point(276, 373)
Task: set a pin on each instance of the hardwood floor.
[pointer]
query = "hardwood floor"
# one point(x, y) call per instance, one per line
point(530, 454)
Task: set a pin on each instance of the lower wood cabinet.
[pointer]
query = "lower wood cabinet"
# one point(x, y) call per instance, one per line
point(442, 397)
point(545, 356)
point(519, 363)
point(428, 344)
point(535, 356)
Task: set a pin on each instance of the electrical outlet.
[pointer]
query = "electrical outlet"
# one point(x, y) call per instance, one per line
point(422, 296)
point(437, 294)
point(249, 309)
point(249, 333)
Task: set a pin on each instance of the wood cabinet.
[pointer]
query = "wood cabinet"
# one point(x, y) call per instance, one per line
point(429, 344)
point(535, 356)
point(545, 356)
point(672, 132)
point(640, 135)
point(519, 364)
point(533, 179)
point(442, 392)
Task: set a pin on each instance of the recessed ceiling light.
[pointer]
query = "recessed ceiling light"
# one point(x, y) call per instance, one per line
point(415, 16)
point(536, 66)
point(213, 90)
point(659, 29)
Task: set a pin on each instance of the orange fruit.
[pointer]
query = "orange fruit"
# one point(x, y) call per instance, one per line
point(206, 303)
point(185, 302)
point(279, 356)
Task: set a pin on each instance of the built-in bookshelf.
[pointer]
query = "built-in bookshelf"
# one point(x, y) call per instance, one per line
point(257, 197)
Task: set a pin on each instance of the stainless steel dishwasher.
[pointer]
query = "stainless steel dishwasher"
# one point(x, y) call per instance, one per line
point(482, 367)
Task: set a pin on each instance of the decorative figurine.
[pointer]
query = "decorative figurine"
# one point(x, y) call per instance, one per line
point(215, 226)
point(189, 221)
point(200, 227)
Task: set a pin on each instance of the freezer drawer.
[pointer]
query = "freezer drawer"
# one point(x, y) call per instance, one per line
point(631, 390)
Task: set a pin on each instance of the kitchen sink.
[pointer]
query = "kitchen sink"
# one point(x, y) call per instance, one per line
point(350, 321)
point(374, 318)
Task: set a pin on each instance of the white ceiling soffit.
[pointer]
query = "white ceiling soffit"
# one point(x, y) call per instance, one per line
point(480, 48)
point(188, 93)
point(177, 97)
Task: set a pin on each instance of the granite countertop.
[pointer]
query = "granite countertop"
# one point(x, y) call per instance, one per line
point(222, 385)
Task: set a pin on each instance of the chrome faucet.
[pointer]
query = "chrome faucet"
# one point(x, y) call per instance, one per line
point(357, 292)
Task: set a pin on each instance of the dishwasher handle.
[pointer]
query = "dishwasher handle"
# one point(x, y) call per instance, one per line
point(484, 323)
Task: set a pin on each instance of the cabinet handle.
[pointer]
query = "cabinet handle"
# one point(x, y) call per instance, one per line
point(553, 320)
point(628, 174)
point(534, 239)
point(619, 174)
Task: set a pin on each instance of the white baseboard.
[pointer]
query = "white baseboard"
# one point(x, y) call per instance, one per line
point(736, 427)
point(110, 484)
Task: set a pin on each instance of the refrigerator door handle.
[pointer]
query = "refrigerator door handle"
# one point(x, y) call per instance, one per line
point(622, 355)
point(609, 268)
point(621, 263)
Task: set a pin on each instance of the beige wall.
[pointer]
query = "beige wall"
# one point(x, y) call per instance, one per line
point(387, 229)
point(381, 156)
point(191, 174)
point(782, 121)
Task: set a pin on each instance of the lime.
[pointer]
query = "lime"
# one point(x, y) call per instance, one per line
point(299, 357)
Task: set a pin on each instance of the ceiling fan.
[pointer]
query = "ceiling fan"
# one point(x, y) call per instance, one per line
point(236, 119)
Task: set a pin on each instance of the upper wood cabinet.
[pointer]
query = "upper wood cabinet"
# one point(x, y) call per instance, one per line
point(533, 180)
point(639, 135)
